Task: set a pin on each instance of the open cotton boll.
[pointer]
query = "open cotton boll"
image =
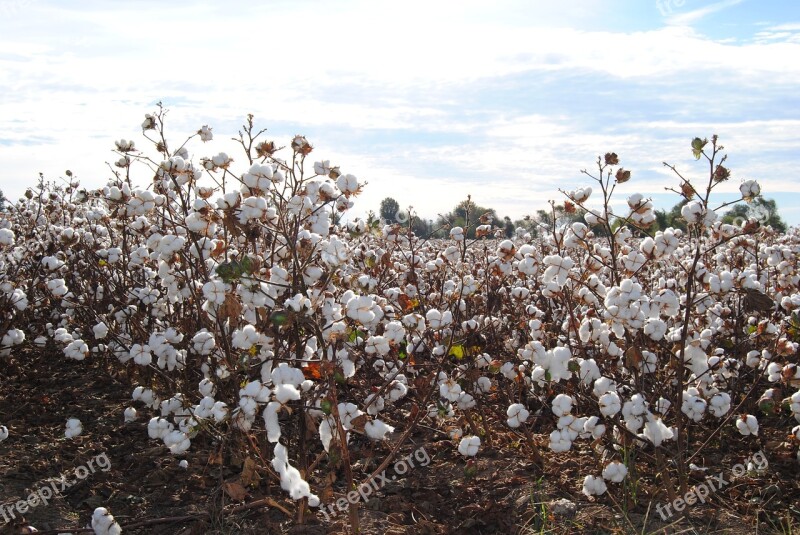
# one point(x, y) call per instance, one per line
point(747, 425)
point(656, 431)
point(103, 523)
point(561, 405)
point(286, 392)
point(74, 428)
point(184, 464)
point(100, 330)
point(291, 480)
point(158, 428)
point(560, 440)
point(377, 430)
point(517, 415)
point(594, 486)
point(271, 421)
point(3, 433)
point(469, 446)
point(615, 472)
point(177, 442)
point(130, 414)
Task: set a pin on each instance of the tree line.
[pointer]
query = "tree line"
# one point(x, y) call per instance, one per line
point(479, 220)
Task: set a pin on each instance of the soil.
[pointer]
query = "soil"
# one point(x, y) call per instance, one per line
point(224, 492)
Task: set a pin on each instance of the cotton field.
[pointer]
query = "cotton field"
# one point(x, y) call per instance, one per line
point(239, 299)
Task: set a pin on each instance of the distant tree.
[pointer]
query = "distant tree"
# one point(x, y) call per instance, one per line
point(470, 216)
point(389, 209)
point(765, 211)
point(2, 200)
point(672, 218)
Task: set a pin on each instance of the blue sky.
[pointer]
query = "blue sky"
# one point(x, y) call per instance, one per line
point(427, 101)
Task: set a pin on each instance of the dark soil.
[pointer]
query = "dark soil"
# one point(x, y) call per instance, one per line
point(148, 493)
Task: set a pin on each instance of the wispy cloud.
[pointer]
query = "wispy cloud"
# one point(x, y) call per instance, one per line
point(428, 102)
point(687, 18)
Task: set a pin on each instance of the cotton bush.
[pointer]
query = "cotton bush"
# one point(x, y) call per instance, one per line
point(238, 291)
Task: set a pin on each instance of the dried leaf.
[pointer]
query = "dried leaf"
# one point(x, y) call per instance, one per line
point(235, 490)
point(358, 423)
point(250, 475)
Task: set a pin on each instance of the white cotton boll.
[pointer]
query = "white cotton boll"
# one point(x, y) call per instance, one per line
point(285, 374)
point(747, 425)
point(141, 354)
point(593, 427)
point(219, 411)
point(271, 421)
point(291, 480)
point(450, 390)
point(100, 330)
point(397, 391)
point(74, 428)
point(750, 189)
point(594, 486)
point(560, 440)
point(103, 523)
point(158, 428)
point(3, 433)
point(719, 404)
point(603, 385)
point(285, 393)
point(517, 415)
point(561, 405)
point(469, 446)
point(177, 442)
point(206, 388)
point(615, 472)
point(465, 401)
point(377, 430)
point(184, 464)
point(130, 414)
point(609, 404)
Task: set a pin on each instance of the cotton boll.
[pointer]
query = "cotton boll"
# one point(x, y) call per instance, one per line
point(656, 431)
point(594, 486)
point(271, 421)
point(158, 428)
point(285, 393)
point(3, 433)
point(517, 415)
point(100, 330)
point(747, 424)
point(615, 472)
point(206, 388)
point(103, 523)
point(377, 430)
point(177, 442)
point(561, 405)
point(184, 464)
point(609, 403)
point(560, 440)
point(130, 414)
point(469, 446)
point(291, 480)
point(74, 428)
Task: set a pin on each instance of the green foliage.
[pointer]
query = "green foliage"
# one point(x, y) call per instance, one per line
point(389, 209)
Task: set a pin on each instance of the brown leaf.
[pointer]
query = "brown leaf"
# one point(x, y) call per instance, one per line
point(358, 423)
point(250, 475)
point(235, 490)
point(231, 309)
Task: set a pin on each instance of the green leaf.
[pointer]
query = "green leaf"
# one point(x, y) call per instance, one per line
point(326, 406)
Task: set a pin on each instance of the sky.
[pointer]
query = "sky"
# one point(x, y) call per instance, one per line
point(426, 101)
